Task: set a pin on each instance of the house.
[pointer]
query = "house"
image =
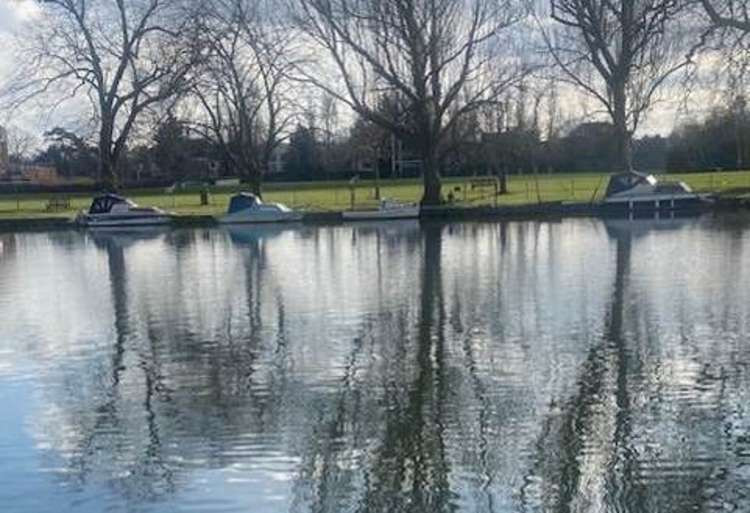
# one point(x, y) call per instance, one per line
point(31, 174)
point(12, 172)
point(276, 164)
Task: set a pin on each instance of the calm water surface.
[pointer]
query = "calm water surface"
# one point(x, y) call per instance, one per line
point(575, 366)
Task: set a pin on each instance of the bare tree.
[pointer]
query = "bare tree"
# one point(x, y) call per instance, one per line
point(243, 87)
point(731, 14)
point(620, 53)
point(20, 144)
point(439, 58)
point(124, 56)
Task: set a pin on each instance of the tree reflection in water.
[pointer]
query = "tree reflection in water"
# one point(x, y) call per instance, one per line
point(473, 367)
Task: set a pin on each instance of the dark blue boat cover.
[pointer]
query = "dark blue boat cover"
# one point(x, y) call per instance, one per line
point(104, 203)
point(242, 201)
point(621, 182)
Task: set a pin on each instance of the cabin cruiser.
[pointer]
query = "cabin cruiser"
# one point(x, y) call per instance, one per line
point(245, 207)
point(387, 209)
point(112, 210)
point(633, 192)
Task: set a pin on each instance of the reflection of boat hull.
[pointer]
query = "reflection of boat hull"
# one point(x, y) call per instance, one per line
point(123, 236)
point(406, 212)
point(260, 216)
point(252, 234)
point(638, 226)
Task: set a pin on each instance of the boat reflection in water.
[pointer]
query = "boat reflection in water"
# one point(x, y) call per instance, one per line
point(247, 234)
point(525, 366)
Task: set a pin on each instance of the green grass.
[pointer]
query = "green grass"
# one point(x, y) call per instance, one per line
point(331, 196)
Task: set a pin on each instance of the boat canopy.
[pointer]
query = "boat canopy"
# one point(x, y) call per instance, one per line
point(103, 204)
point(242, 201)
point(622, 182)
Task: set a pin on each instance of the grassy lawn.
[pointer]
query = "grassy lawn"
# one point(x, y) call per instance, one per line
point(322, 196)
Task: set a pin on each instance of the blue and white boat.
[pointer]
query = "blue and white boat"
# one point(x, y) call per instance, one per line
point(112, 210)
point(245, 207)
point(386, 209)
point(633, 192)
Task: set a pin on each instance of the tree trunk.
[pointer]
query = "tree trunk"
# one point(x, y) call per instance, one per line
point(431, 175)
point(107, 161)
point(107, 175)
point(254, 182)
point(623, 155)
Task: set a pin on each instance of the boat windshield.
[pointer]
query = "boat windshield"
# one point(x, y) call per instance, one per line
point(103, 204)
point(622, 182)
point(243, 201)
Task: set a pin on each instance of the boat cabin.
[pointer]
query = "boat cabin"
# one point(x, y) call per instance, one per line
point(630, 181)
point(243, 201)
point(106, 202)
point(633, 183)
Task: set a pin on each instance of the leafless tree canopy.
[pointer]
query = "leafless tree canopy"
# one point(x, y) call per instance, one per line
point(620, 53)
point(124, 55)
point(439, 58)
point(20, 143)
point(732, 14)
point(243, 84)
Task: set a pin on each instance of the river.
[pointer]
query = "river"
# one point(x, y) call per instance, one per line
point(571, 366)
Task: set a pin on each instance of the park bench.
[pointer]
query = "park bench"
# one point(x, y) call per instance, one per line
point(487, 187)
point(58, 203)
point(481, 183)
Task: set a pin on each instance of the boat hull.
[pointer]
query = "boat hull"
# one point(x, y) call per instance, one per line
point(371, 215)
point(118, 221)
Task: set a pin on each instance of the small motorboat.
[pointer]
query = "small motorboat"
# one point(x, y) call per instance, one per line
point(387, 209)
point(245, 207)
point(112, 210)
point(632, 192)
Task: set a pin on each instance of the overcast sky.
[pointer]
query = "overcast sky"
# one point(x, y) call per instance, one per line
point(14, 13)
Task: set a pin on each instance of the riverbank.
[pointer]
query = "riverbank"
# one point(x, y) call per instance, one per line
point(530, 211)
point(525, 191)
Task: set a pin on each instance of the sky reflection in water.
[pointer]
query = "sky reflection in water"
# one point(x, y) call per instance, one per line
point(506, 367)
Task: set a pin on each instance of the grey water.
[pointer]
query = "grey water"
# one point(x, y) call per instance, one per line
point(579, 365)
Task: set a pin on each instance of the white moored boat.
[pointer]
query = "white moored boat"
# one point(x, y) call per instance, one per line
point(246, 207)
point(387, 209)
point(112, 210)
point(637, 192)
